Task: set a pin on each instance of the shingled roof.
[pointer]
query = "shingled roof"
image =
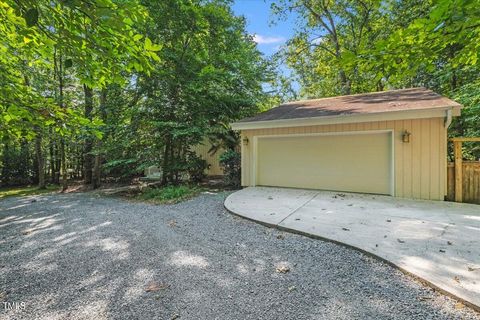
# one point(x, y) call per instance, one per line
point(367, 103)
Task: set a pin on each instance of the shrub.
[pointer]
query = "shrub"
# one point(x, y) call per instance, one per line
point(196, 167)
point(230, 161)
point(170, 194)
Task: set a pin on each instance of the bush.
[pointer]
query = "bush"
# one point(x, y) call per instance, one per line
point(230, 161)
point(196, 167)
point(170, 194)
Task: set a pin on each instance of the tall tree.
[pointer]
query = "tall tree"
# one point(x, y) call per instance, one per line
point(33, 32)
point(330, 32)
point(210, 73)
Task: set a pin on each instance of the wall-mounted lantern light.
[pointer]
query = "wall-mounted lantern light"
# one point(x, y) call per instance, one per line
point(406, 136)
point(245, 141)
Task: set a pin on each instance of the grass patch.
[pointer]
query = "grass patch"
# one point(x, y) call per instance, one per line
point(25, 191)
point(169, 194)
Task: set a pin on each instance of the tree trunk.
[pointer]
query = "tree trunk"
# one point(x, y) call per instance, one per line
point(345, 83)
point(40, 160)
point(61, 161)
point(52, 159)
point(88, 157)
point(165, 164)
point(63, 166)
point(97, 169)
point(5, 162)
point(58, 161)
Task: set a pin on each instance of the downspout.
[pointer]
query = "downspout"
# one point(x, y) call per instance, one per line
point(448, 118)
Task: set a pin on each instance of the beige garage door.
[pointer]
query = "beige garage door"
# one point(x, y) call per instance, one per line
point(347, 162)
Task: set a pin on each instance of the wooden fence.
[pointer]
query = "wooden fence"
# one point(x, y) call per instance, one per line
point(470, 181)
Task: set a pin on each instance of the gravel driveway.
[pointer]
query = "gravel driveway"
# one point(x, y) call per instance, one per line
point(81, 256)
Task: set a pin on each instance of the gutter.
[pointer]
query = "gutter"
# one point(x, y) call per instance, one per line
point(349, 118)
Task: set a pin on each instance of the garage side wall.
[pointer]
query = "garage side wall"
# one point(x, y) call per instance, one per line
point(419, 166)
point(213, 160)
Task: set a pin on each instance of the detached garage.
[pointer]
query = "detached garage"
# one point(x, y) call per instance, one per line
point(392, 143)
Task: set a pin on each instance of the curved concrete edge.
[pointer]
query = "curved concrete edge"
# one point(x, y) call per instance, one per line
point(368, 253)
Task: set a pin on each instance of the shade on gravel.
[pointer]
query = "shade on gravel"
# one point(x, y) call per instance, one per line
point(81, 256)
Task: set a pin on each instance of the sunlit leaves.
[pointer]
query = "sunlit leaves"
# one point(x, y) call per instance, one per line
point(149, 46)
point(99, 38)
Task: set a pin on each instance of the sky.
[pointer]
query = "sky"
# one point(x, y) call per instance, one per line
point(268, 37)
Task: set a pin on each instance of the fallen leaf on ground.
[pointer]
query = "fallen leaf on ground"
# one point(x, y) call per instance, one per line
point(172, 223)
point(154, 286)
point(459, 305)
point(283, 269)
point(401, 241)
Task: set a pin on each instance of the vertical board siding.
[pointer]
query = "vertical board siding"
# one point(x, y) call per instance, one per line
point(212, 159)
point(420, 166)
point(435, 181)
point(407, 160)
point(400, 154)
point(425, 158)
point(416, 160)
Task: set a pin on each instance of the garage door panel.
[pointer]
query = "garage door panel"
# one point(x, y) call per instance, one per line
point(352, 162)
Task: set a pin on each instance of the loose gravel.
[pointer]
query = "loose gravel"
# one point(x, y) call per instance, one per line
point(82, 256)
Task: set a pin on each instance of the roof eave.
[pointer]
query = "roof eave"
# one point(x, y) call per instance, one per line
point(433, 112)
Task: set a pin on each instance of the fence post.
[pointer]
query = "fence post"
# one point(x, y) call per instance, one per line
point(458, 170)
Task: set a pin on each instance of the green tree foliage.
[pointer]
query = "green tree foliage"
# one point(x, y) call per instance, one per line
point(329, 34)
point(110, 87)
point(210, 73)
point(353, 46)
point(50, 49)
point(96, 37)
